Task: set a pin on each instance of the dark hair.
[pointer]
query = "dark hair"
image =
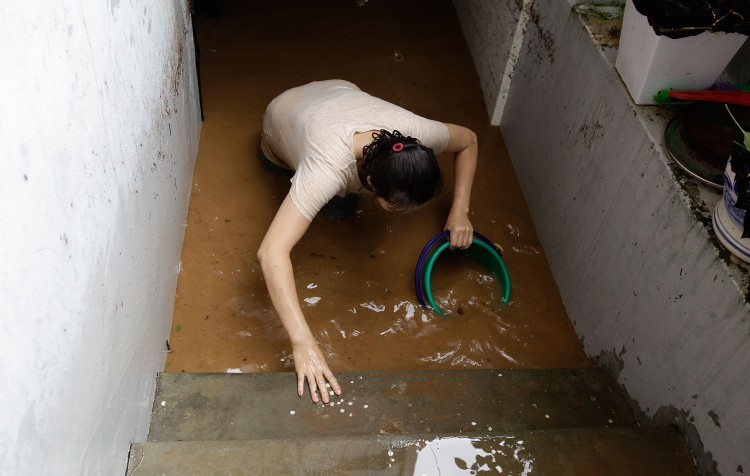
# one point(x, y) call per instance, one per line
point(403, 172)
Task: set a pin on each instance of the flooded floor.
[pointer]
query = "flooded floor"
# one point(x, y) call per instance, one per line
point(356, 276)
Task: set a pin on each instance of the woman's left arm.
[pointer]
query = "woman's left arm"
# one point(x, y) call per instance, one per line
point(463, 144)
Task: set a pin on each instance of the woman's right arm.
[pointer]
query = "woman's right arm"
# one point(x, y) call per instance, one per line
point(285, 231)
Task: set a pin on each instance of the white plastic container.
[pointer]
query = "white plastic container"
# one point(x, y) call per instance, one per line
point(648, 62)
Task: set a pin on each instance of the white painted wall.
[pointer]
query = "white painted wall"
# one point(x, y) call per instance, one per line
point(494, 33)
point(99, 125)
point(641, 275)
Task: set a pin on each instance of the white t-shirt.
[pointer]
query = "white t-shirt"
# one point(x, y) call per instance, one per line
point(311, 129)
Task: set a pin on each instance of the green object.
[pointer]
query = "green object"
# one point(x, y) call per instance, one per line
point(482, 253)
point(662, 97)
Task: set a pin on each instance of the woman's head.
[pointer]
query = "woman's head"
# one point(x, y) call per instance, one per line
point(401, 171)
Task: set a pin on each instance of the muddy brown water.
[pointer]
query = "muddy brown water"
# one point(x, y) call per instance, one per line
point(354, 277)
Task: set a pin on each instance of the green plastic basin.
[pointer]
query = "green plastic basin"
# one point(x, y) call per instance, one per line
point(482, 253)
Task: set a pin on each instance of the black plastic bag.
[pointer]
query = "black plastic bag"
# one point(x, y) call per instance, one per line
point(682, 18)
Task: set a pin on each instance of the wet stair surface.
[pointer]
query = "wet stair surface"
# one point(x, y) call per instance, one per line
point(524, 422)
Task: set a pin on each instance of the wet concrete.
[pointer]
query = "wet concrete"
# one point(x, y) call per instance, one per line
point(478, 421)
point(204, 406)
point(580, 451)
point(355, 276)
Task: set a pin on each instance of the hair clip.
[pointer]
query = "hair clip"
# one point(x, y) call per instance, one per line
point(399, 146)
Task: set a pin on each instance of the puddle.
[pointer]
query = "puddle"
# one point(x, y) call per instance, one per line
point(473, 456)
point(354, 277)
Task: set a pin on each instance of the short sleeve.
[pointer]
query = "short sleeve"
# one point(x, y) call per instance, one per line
point(433, 134)
point(314, 185)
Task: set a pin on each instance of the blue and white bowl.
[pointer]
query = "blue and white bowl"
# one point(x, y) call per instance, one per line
point(728, 219)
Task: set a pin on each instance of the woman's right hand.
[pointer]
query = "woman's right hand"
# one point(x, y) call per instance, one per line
point(310, 365)
point(285, 231)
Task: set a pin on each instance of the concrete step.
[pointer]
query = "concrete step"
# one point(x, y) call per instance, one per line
point(265, 405)
point(621, 451)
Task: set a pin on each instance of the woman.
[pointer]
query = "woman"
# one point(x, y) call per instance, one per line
point(340, 140)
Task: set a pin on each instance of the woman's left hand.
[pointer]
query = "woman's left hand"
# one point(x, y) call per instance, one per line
point(463, 144)
point(462, 233)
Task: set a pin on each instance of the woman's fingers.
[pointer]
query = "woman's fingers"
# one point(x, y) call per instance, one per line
point(319, 386)
point(462, 233)
point(313, 388)
point(469, 238)
point(300, 385)
point(464, 240)
point(327, 383)
point(311, 366)
point(332, 380)
point(322, 387)
point(320, 381)
point(461, 239)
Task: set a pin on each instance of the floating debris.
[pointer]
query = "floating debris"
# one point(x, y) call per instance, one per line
point(373, 307)
point(318, 255)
